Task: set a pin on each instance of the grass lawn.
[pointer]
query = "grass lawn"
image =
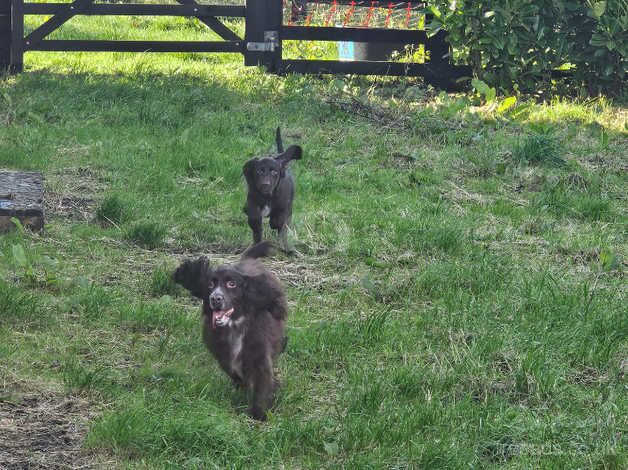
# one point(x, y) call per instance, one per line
point(460, 300)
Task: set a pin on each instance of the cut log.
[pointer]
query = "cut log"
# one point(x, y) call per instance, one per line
point(21, 196)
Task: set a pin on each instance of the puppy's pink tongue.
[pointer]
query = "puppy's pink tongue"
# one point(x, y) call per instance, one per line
point(219, 314)
point(215, 316)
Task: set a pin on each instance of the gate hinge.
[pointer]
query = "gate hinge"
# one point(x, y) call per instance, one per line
point(271, 42)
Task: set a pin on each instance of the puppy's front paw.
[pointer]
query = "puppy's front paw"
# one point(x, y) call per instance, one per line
point(257, 413)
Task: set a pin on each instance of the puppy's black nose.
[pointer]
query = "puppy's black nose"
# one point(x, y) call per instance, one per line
point(216, 299)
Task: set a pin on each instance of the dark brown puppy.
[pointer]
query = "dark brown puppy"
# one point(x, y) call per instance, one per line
point(244, 314)
point(271, 191)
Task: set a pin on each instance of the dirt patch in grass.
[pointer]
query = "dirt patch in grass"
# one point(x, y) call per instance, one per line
point(610, 162)
point(309, 273)
point(585, 257)
point(43, 431)
point(69, 206)
point(588, 376)
point(70, 193)
point(402, 161)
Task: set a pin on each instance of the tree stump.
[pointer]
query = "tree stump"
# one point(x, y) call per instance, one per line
point(21, 196)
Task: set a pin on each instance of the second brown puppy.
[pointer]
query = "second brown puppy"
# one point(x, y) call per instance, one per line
point(244, 314)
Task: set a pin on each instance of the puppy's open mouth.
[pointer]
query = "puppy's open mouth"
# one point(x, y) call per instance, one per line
point(221, 317)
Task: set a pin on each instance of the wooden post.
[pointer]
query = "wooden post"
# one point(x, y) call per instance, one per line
point(439, 48)
point(274, 21)
point(21, 196)
point(262, 18)
point(5, 34)
point(255, 24)
point(440, 71)
point(16, 48)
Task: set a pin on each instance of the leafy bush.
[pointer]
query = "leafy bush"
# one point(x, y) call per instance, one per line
point(598, 32)
point(522, 43)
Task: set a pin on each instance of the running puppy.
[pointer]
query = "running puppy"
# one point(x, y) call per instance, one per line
point(244, 315)
point(271, 191)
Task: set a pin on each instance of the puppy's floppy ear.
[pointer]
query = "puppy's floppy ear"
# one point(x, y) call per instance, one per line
point(265, 292)
point(248, 170)
point(194, 276)
point(294, 152)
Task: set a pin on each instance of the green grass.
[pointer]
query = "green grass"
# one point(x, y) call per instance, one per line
point(538, 148)
point(146, 234)
point(462, 306)
point(112, 210)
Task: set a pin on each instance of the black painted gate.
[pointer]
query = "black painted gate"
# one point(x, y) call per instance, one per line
point(265, 32)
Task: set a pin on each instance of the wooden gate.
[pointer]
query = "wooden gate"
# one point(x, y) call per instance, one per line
point(15, 43)
point(265, 32)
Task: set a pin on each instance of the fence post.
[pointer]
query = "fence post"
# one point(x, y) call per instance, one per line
point(439, 49)
point(11, 35)
point(439, 67)
point(275, 19)
point(255, 24)
point(262, 17)
point(5, 34)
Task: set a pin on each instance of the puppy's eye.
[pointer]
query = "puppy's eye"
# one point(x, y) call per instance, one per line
point(274, 172)
point(231, 284)
point(260, 171)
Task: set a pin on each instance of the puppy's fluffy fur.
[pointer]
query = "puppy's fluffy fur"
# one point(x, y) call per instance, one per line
point(244, 314)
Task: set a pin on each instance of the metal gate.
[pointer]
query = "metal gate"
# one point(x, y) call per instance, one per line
point(261, 45)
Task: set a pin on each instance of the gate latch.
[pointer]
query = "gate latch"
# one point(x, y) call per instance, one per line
point(271, 42)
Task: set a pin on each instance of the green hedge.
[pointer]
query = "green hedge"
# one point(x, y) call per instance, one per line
point(515, 44)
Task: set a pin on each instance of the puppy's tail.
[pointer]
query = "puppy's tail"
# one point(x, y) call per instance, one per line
point(259, 250)
point(278, 141)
